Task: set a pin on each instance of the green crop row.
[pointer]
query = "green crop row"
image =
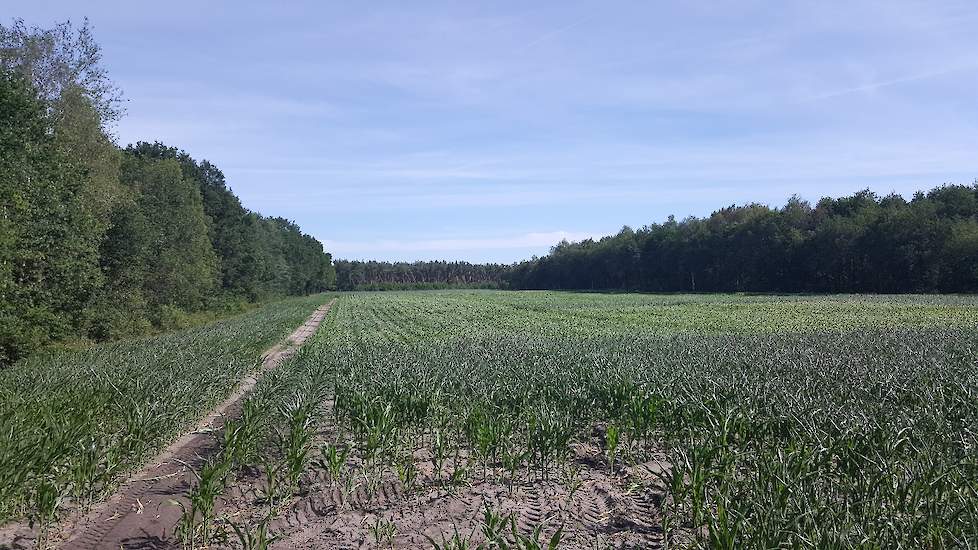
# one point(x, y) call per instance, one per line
point(818, 422)
point(73, 421)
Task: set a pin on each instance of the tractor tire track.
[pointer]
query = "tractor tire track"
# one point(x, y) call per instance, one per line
point(140, 514)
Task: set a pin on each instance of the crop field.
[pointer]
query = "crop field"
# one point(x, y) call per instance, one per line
point(531, 420)
point(73, 422)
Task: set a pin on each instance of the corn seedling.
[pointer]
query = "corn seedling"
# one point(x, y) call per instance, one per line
point(332, 459)
point(407, 473)
point(383, 531)
point(81, 419)
point(196, 524)
point(272, 491)
point(256, 538)
point(456, 541)
point(778, 421)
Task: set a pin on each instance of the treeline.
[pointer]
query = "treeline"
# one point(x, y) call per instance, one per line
point(99, 242)
point(861, 243)
point(370, 275)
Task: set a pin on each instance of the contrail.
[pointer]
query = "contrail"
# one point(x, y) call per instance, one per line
point(892, 82)
point(553, 33)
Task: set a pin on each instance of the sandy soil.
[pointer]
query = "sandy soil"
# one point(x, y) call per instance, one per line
point(594, 507)
point(139, 514)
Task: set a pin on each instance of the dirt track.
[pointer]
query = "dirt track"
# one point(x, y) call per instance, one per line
point(600, 508)
point(139, 514)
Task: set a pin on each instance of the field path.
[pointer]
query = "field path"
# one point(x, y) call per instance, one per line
point(139, 514)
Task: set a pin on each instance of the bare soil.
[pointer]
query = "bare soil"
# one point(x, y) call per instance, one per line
point(140, 514)
point(595, 507)
point(592, 504)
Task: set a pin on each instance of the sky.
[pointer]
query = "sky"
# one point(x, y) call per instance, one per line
point(489, 131)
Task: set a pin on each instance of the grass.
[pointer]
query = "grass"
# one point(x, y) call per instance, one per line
point(806, 422)
point(73, 421)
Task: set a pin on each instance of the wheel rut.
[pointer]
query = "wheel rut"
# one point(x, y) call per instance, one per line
point(140, 514)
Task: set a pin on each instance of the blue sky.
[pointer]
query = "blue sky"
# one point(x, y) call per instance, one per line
point(489, 131)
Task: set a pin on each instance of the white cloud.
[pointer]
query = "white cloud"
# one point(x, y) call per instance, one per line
point(490, 123)
point(378, 248)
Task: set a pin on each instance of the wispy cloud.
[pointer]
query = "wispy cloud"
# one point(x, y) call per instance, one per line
point(876, 85)
point(555, 32)
point(462, 129)
point(426, 247)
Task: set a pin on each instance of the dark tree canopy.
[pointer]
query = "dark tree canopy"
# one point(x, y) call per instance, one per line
point(99, 242)
point(860, 243)
point(371, 275)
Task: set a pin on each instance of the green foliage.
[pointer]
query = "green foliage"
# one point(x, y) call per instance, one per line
point(804, 422)
point(257, 538)
point(437, 275)
point(58, 181)
point(78, 420)
point(22, 167)
point(52, 201)
point(196, 524)
point(100, 243)
point(178, 264)
point(258, 257)
point(861, 243)
point(58, 59)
